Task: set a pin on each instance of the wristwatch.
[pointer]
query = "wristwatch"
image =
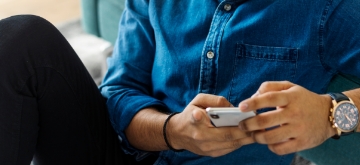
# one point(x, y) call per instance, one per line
point(344, 116)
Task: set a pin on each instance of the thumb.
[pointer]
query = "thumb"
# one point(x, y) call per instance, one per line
point(197, 116)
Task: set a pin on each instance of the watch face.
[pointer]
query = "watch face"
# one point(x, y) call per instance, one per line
point(346, 116)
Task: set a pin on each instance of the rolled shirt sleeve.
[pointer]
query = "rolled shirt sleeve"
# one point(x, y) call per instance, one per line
point(127, 84)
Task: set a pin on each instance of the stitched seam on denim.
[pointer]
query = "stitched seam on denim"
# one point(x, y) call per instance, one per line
point(323, 20)
point(234, 70)
point(268, 59)
point(270, 55)
point(221, 33)
point(296, 62)
point(212, 43)
point(203, 53)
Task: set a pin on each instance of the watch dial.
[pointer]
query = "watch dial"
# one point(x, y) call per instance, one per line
point(346, 116)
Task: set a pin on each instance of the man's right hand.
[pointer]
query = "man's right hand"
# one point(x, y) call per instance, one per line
point(193, 131)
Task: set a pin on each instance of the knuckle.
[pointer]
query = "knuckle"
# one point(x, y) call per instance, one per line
point(256, 103)
point(248, 134)
point(273, 137)
point(214, 154)
point(204, 147)
point(271, 96)
point(199, 96)
point(244, 126)
point(221, 100)
point(262, 121)
point(236, 144)
point(261, 138)
point(277, 150)
point(295, 114)
point(268, 137)
point(228, 136)
point(197, 136)
point(287, 82)
point(265, 85)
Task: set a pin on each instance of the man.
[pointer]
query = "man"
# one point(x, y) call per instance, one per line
point(275, 56)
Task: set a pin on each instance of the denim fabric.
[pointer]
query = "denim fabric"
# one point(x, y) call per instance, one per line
point(169, 51)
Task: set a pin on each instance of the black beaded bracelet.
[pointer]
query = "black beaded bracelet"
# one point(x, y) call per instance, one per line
point(164, 133)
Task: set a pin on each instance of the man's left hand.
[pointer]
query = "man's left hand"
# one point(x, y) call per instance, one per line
point(300, 120)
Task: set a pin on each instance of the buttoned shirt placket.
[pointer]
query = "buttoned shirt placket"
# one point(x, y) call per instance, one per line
point(210, 53)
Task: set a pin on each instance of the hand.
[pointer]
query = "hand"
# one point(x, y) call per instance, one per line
point(192, 130)
point(300, 119)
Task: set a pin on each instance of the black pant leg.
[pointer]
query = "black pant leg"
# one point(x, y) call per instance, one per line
point(49, 105)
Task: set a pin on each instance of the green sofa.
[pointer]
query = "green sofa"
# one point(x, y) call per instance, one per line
point(101, 17)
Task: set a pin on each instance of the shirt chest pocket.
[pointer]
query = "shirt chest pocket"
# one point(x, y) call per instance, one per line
point(256, 64)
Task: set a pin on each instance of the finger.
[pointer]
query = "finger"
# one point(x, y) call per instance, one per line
point(287, 147)
point(216, 149)
point(235, 144)
point(199, 116)
point(266, 100)
point(207, 100)
point(277, 135)
point(264, 120)
point(228, 134)
point(224, 134)
point(274, 86)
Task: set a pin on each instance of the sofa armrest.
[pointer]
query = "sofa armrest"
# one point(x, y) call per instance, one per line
point(101, 17)
point(89, 11)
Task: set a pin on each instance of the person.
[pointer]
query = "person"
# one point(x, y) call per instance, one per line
point(173, 59)
point(51, 111)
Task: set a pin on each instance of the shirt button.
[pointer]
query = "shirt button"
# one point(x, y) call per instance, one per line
point(210, 54)
point(227, 7)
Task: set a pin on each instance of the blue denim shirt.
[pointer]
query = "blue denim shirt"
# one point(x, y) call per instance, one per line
point(168, 51)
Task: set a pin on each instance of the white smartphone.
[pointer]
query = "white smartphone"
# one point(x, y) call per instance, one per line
point(227, 116)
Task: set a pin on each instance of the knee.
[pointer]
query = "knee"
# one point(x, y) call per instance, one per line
point(24, 21)
point(23, 26)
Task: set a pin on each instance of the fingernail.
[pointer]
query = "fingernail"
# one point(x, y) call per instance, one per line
point(243, 106)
